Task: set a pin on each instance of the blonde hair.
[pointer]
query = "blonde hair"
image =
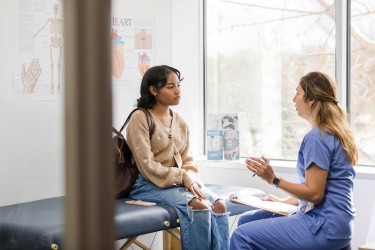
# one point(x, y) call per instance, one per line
point(327, 114)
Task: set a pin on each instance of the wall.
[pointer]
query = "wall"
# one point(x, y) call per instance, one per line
point(188, 56)
point(31, 132)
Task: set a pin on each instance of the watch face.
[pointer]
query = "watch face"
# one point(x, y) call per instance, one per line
point(276, 181)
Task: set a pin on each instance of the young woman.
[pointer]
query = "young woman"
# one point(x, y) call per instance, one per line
point(168, 173)
point(325, 189)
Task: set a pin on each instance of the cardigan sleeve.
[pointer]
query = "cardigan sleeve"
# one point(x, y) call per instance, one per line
point(137, 135)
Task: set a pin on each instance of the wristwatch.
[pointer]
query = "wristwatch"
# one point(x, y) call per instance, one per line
point(276, 181)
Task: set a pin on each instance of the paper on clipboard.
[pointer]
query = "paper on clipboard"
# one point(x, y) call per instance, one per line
point(272, 206)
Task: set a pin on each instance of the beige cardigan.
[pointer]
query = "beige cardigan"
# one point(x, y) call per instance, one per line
point(166, 160)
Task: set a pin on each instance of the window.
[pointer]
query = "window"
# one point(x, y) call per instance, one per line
point(258, 50)
point(363, 77)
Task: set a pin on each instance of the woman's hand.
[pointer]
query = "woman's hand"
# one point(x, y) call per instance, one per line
point(196, 191)
point(271, 197)
point(288, 200)
point(261, 167)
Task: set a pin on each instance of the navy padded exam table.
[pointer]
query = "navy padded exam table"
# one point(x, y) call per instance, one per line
point(40, 224)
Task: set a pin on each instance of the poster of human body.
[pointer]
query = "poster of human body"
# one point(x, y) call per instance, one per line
point(39, 50)
point(38, 69)
point(132, 49)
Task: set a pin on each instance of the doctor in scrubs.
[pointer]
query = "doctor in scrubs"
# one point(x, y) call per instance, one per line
point(324, 192)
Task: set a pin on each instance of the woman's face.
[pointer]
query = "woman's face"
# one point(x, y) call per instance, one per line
point(303, 108)
point(170, 94)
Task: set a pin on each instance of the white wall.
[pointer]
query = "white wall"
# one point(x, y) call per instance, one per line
point(188, 57)
point(31, 132)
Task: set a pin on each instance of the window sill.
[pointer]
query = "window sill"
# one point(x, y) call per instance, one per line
point(362, 172)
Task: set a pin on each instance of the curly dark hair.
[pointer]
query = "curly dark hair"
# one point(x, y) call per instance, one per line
point(157, 77)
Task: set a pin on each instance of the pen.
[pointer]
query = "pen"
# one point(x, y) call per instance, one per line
point(266, 161)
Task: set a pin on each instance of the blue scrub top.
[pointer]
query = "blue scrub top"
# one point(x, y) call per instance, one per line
point(336, 212)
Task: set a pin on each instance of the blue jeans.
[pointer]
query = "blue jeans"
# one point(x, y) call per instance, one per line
point(263, 230)
point(199, 229)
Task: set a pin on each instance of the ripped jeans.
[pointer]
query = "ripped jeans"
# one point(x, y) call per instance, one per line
point(199, 229)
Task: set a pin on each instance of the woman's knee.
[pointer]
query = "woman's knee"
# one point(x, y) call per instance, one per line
point(219, 207)
point(198, 204)
point(241, 221)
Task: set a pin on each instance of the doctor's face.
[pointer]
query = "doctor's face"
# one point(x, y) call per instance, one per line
point(303, 107)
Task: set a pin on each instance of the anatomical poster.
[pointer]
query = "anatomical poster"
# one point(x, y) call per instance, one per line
point(39, 45)
point(132, 49)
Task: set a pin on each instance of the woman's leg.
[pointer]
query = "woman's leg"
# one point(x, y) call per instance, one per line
point(286, 232)
point(220, 226)
point(212, 214)
point(195, 224)
point(219, 221)
point(196, 227)
point(254, 215)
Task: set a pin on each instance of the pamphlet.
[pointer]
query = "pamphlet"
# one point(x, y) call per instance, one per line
point(231, 145)
point(214, 144)
point(223, 137)
point(222, 121)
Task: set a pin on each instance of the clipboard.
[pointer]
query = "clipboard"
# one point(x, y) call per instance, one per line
point(272, 206)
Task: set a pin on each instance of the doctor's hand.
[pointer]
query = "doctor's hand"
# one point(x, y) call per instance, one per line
point(261, 167)
point(288, 200)
point(271, 197)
